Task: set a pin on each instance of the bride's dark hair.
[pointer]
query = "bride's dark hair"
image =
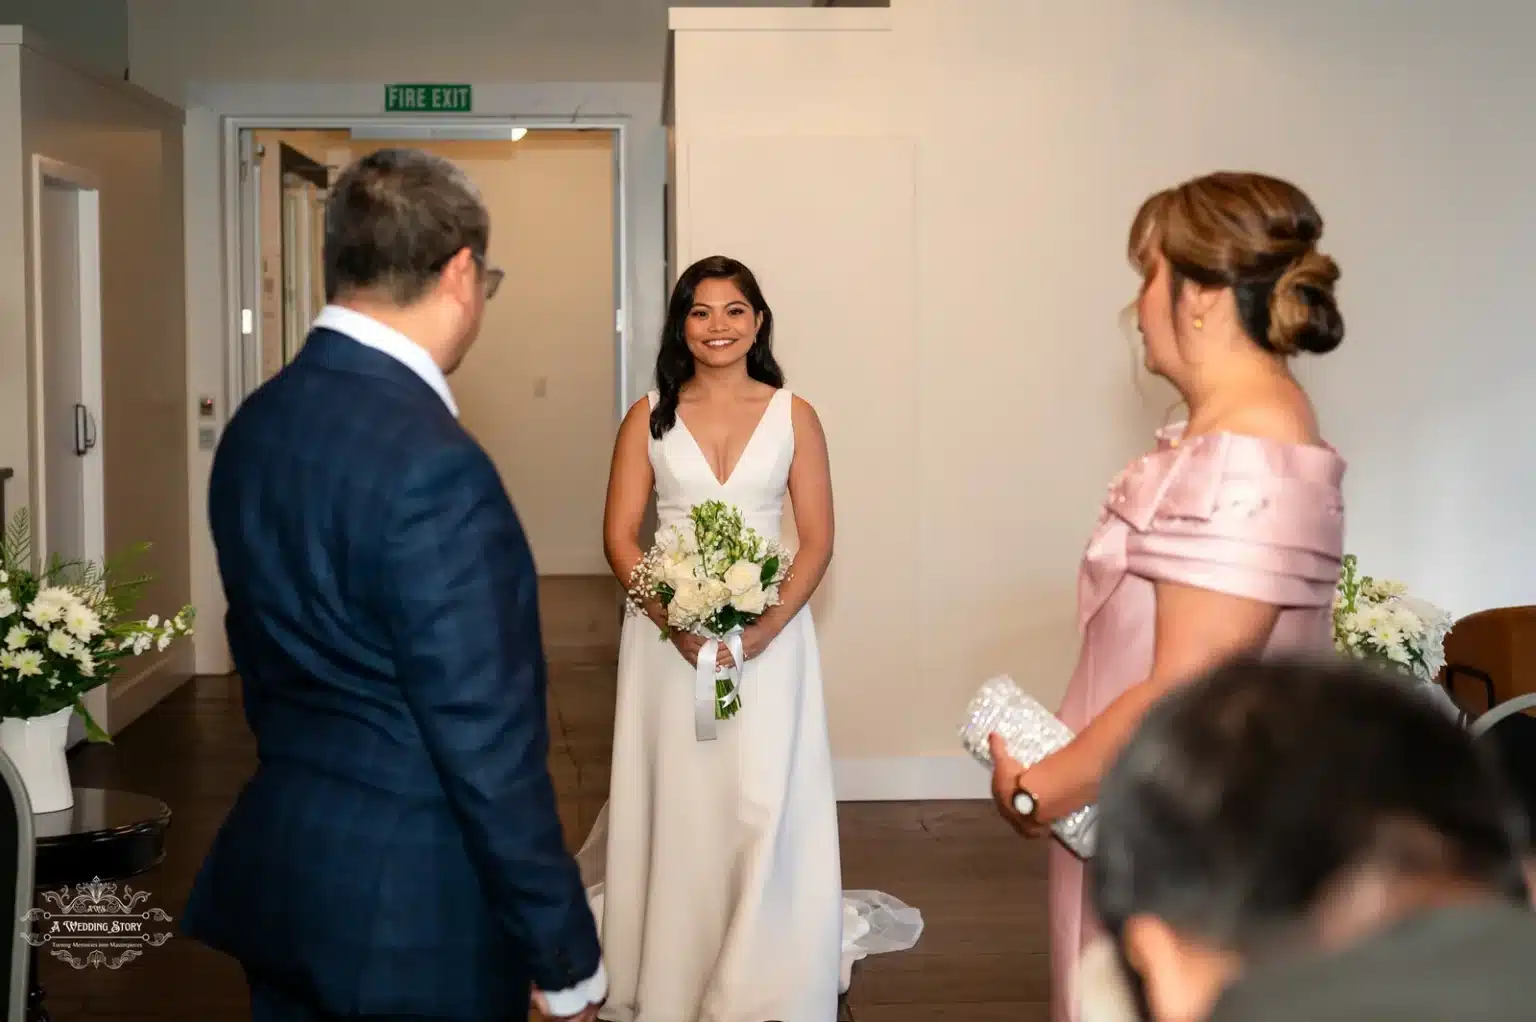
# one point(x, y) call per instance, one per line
point(674, 362)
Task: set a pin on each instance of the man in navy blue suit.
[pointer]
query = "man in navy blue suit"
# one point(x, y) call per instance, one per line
point(397, 853)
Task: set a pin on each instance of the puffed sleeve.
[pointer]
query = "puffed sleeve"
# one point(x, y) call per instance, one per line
point(1242, 516)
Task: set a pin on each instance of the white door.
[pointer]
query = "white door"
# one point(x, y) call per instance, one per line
point(67, 262)
point(303, 294)
point(65, 414)
point(295, 253)
point(245, 367)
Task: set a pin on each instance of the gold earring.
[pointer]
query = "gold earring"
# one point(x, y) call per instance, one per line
point(1199, 323)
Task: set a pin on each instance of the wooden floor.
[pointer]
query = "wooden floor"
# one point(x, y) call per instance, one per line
point(981, 890)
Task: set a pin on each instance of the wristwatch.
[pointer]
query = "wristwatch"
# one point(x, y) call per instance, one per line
point(1024, 802)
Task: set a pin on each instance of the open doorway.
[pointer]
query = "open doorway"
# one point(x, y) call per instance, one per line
point(69, 502)
point(539, 388)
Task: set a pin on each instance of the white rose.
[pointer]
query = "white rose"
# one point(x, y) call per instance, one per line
point(680, 570)
point(696, 599)
point(753, 601)
point(742, 577)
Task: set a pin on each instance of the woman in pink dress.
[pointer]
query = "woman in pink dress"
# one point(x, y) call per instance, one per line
point(1228, 537)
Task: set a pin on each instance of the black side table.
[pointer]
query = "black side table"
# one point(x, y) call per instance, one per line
point(106, 835)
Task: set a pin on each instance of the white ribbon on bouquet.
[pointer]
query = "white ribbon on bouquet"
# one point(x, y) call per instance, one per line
point(705, 697)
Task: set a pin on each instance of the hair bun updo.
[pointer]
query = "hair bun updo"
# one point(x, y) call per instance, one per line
point(1303, 315)
point(1257, 235)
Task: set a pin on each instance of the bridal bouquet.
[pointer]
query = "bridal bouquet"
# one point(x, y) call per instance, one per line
point(1376, 619)
point(64, 629)
point(714, 576)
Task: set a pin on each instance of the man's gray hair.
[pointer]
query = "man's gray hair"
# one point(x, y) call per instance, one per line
point(394, 219)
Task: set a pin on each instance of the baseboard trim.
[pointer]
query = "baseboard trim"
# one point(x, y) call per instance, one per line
point(128, 699)
point(910, 779)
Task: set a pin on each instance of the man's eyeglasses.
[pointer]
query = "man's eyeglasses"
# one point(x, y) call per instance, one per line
point(493, 275)
point(493, 278)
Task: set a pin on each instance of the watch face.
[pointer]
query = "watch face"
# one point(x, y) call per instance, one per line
point(1024, 803)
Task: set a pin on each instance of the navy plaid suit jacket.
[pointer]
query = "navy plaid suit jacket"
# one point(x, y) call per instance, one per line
point(397, 850)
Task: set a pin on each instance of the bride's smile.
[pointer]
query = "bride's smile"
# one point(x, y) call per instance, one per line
point(721, 326)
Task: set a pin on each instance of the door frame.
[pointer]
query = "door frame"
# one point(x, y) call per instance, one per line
point(242, 365)
point(87, 187)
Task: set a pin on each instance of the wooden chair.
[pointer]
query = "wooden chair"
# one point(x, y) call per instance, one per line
point(1490, 658)
point(1508, 732)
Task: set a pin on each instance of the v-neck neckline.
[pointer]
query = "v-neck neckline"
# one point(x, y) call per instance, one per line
point(745, 449)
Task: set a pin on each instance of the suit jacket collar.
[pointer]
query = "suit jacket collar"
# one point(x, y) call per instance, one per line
point(371, 333)
point(336, 351)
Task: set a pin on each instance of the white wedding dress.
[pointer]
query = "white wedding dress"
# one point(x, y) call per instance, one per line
point(713, 871)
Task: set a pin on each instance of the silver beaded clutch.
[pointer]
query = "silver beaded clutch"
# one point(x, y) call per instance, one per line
point(1031, 733)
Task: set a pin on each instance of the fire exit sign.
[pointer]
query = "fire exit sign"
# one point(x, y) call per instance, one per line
point(427, 99)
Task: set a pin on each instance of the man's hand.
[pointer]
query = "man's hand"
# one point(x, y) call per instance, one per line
point(588, 1014)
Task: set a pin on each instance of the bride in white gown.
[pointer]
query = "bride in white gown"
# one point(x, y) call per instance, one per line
point(714, 869)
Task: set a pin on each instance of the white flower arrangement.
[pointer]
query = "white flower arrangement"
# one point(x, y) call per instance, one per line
point(713, 578)
point(1376, 619)
point(63, 631)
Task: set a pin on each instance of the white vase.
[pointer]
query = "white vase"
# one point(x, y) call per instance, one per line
point(36, 746)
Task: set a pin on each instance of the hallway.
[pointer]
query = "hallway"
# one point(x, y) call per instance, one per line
point(982, 957)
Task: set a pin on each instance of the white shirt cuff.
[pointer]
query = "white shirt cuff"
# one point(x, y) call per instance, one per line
point(565, 1003)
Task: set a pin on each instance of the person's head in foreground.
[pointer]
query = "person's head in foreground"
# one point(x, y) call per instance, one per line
point(1275, 809)
point(406, 237)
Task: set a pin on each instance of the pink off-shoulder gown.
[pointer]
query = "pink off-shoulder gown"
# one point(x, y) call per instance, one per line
point(1234, 514)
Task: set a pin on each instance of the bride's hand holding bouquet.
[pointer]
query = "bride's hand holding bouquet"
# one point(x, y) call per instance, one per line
point(713, 580)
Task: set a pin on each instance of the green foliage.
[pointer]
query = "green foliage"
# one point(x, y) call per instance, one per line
point(64, 628)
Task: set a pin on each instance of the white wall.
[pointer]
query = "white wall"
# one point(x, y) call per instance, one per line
point(1037, 130)
point(129, 142)
point(537, 388)
point(14, 391)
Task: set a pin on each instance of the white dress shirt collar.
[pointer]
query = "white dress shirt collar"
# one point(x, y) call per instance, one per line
point(370, 332)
